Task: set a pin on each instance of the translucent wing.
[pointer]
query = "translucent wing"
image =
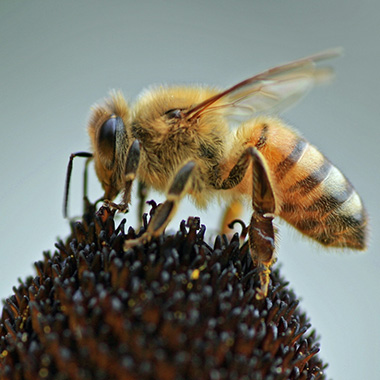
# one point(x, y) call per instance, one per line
point(270, 91)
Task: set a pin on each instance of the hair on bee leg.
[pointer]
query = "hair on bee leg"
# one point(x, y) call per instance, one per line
point(165, 211)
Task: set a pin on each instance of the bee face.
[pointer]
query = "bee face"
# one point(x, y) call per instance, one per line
point(106, 140)
point(107, 159)
point(109, 130)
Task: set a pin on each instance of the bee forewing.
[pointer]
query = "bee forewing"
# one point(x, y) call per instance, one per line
point(269, 96)
point(271, 91)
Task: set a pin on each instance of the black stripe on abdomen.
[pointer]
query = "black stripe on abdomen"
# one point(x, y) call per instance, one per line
point(309, 183)
point(339, 216)
point(288, 163)
point(335, 191)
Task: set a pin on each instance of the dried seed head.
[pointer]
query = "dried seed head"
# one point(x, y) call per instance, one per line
point(174, 308)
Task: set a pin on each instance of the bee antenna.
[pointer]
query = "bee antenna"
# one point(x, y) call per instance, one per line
point(68, 176)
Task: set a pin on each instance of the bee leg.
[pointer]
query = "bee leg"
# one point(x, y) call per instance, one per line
point(166, 210)
point(232, 212)
point(235, 176)
point(142, 192)
point(131, 166)
point(260, 231)
point(237, 173)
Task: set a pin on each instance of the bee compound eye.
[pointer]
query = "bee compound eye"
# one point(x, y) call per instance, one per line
point(107, 138)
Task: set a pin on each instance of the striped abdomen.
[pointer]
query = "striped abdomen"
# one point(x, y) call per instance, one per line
point(311, 193)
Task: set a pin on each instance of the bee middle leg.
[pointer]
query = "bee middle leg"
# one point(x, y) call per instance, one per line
point(235, 176)
point(231, 213)
point(165, 212)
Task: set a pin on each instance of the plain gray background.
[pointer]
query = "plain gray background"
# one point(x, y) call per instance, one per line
point(58, 57)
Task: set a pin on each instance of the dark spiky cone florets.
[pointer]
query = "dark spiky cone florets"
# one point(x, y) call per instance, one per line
point(172, 309)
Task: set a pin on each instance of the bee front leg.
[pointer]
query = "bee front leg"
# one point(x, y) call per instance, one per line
point(131, 166)
point(260, 230)
point(166, 210)
point(142, 192)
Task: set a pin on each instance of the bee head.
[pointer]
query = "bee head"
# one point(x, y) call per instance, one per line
point(110, 138)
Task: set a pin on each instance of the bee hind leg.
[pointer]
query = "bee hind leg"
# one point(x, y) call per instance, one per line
point(165, 212)
point(260, 230)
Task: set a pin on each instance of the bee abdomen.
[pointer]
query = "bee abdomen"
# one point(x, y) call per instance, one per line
point(322, 204)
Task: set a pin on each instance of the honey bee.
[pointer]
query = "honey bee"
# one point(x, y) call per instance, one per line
point(181, 140)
